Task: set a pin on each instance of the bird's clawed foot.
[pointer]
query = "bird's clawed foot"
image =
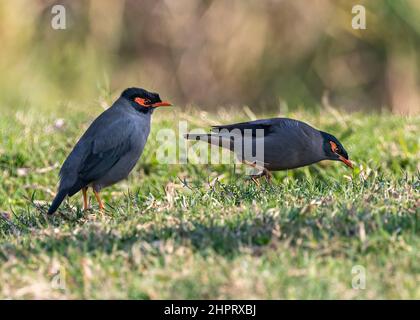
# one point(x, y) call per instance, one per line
point(263, 173)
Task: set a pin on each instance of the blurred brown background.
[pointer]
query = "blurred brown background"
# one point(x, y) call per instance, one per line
point(264, 54)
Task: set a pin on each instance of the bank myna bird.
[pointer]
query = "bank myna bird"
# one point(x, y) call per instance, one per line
point(109, 149)
point(286, 144)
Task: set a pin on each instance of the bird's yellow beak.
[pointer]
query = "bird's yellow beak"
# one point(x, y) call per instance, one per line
point(346, 161)
point(162, 104)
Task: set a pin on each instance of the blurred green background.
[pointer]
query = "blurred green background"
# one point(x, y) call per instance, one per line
point(264, 54)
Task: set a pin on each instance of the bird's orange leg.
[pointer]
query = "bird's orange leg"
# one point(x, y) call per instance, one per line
point(254, 179)
point(85, 199)
point(268, 175)
point(98, 198)
point(264, 172)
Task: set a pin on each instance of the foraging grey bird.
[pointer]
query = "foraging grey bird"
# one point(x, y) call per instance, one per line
point(109, 149)
point(284, 144)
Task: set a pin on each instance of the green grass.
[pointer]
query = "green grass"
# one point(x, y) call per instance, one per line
point(203, 231)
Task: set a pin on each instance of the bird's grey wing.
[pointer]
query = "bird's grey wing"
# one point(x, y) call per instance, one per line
point(106, 147)
point(292, 144)
point(283, 141)
point(249, 127)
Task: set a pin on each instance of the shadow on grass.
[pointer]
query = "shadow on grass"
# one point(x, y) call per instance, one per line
point(346, 233)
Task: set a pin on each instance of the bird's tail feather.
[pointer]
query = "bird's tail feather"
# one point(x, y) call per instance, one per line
point(216, 139)
point(197, 136)
point(57, 201)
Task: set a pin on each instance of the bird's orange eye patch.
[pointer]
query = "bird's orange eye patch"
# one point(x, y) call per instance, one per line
point(143, 102)
point(333, 146)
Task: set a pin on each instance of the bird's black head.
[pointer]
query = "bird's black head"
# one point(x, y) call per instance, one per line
point(143, 100)
point(334, 150)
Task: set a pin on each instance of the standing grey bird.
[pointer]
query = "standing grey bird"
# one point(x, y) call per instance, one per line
point(286, 144)
point(110, 147)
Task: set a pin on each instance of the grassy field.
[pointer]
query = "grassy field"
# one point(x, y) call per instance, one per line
point(204, 231)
